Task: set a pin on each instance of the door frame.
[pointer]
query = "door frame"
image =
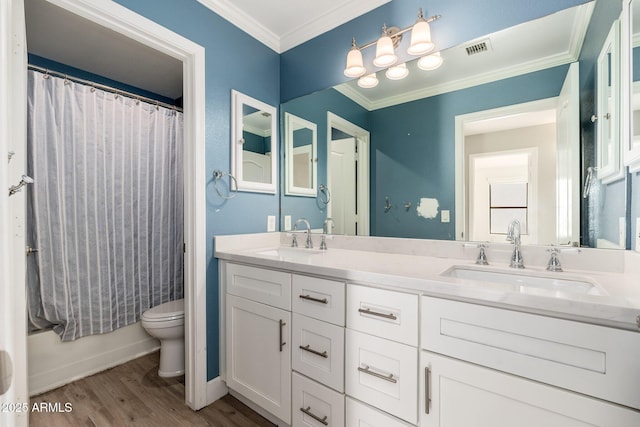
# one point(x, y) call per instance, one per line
point(136, 27)
point(362, 137)
point(460, 164)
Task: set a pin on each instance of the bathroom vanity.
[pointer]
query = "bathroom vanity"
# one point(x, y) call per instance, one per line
point(384, 332)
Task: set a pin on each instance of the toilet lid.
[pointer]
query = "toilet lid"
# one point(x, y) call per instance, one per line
point(168, 310)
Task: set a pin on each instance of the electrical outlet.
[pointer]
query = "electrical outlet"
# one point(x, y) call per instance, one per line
point(287, 222)
point(271, 223)
point(637, 234)
point(444, 216)
point(622, 232)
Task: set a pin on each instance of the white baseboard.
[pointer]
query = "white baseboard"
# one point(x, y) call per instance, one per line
point(216, 389)
point(53, 363)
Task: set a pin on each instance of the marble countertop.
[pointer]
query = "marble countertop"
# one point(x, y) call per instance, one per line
point(618, 307)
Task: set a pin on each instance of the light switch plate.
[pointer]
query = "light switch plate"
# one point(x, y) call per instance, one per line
point(622, 232)
point(287, 223)
point(271, 223)
point(637, 234)
point(444, 216)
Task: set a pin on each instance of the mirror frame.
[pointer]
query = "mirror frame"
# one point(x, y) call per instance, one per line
point(608, 108)
point(291, 123)
point(631, 146)
point(238, 101)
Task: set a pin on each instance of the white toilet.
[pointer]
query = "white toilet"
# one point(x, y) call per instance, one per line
point(166, 322)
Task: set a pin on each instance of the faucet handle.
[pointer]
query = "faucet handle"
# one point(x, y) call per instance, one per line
point(294, 241)
point(554, 262)
point(482, 256)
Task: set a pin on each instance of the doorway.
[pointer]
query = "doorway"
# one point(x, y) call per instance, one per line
point(348, 176)
point(134, 29)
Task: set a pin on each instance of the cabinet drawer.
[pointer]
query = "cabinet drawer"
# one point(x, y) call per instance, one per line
point(590, 359)
point(259, 284)
point(315, 405)
point(318, 351)
point(319, 298)
point(383, 313)
point(382, 373)
point(359, 414)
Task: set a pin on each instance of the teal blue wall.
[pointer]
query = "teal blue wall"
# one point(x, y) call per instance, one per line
point(231, 60)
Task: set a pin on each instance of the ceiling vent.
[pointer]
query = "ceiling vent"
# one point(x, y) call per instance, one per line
point(479, 47)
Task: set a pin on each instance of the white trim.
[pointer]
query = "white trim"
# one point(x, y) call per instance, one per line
point(151, 34)
point(539, 105)
point(363, 145)
point(239, 99)
point(306, 30)
point(291, 124)
point(13, 128)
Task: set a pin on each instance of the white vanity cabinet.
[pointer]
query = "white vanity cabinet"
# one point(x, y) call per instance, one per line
point(258, 337)
point(534, 370)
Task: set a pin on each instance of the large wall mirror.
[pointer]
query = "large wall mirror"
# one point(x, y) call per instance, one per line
point(301, 155)
point(254, 144)
point(427, 130)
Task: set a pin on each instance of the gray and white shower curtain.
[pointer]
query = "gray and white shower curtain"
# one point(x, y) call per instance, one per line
point(106, 209)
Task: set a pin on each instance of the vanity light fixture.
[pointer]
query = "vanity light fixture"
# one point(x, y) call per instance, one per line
point(421, 44)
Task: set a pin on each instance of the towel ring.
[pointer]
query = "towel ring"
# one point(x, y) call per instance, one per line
point(217, 176)
point(323, 189)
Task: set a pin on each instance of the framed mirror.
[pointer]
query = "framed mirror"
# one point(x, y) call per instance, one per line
point(631, 79)
point(254, 144)
point(608, 107)
point(301, 156)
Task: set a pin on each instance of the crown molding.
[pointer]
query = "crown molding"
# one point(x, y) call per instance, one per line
point(246, 23)
point(305, 31)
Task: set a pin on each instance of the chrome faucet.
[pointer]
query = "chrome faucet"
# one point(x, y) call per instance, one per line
point(513, 235)
point(482, 256)
point(554, 261)
point(308, 243)
point(325, 231)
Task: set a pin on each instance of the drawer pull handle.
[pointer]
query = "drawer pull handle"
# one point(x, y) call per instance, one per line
point(367, 370)
point(322, 420)
point(375, 313)
point(282, 343)
point(310, 298)
point(427, 391)
point(316, 352)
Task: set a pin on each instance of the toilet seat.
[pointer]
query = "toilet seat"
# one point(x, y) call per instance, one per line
point(172, 310)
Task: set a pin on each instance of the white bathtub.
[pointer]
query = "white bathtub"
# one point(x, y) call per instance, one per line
point(52, 363)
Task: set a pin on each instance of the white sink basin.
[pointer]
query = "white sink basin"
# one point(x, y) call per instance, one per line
point(293, 254)
point(528, 283)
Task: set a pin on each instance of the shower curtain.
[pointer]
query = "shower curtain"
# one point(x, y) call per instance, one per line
point(106, 209)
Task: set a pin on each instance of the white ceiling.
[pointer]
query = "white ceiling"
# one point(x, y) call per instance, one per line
point(284, 24)
point(61, 36)
point(535, 45)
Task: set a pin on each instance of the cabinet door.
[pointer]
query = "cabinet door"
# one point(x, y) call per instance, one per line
point(259, 354)
point(462, 394)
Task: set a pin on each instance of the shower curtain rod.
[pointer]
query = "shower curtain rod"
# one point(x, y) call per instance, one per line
point(104, 87)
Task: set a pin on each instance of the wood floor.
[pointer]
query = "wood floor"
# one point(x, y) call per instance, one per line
point(133, 395)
